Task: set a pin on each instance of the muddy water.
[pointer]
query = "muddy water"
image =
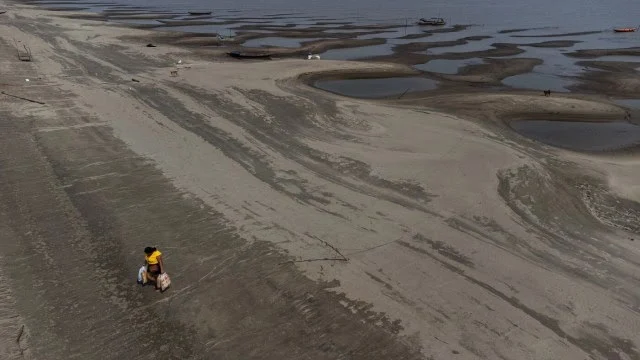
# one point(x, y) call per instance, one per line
point(581, 136)
point(631, 103)
point(277, 42)
point(377, 88)
point(506, 13)
point(518, 23)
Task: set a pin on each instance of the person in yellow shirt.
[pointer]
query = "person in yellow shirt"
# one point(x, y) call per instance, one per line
point(155, 265)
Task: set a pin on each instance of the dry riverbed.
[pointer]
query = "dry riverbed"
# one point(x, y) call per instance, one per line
point(297, 223)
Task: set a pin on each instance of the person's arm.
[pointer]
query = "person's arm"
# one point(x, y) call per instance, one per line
point(161, 263)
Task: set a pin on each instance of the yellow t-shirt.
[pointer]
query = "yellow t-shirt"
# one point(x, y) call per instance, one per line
point(153, 258)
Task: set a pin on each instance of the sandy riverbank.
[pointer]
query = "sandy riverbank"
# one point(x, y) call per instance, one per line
point(295, 223)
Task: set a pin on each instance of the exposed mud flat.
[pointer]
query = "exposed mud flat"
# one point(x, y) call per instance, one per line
point(510, 31)
point(493, 70)
point(298, 223)
point(553, 44)
point(594, 53)
point(611, 78)
point(579, 33)
point(421, 46)
point(91, 212)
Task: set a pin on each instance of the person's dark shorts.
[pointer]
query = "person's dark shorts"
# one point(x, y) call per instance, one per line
point(153, 270)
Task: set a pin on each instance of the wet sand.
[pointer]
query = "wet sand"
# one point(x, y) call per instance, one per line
point(297, 223)
point(613, 78)
point(550, 35)
point(405, 55)
point(422, 46)
point(593, 53)
point(493, 71)
point(553, 44)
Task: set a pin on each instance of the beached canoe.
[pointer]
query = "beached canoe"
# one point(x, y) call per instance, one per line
point(200, 13)
point(625, 29)
point(248, 55)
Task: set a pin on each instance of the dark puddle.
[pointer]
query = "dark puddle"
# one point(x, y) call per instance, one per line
point(278, 42)
point(580, 136)
point(539, 81)
point(377, 88)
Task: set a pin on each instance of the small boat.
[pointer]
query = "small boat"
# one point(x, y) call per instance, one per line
point(248, 55)
point(194, 13)
point(434, 21)
point(628, 29)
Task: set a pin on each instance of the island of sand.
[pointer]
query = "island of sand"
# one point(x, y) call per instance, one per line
point(296, 223)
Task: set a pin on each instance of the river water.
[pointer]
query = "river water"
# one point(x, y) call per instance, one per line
point(574, 15)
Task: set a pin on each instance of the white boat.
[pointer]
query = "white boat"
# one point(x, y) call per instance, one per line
point(434, 21)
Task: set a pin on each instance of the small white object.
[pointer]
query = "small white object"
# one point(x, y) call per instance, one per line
point(179, 61)
point(142, 275)
point(313, 57)
point(26, 80)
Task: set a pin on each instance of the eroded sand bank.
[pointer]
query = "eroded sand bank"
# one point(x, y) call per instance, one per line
point(296, 223)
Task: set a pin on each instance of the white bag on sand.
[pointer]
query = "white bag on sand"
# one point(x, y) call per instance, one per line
point(164, 281)
point(142, 275)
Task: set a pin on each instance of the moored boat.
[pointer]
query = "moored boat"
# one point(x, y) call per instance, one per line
point(434, 21)
point(194, 13)
point(627, 29)
point(248, 55)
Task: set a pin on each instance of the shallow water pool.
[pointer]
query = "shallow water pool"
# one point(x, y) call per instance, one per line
point(582, 136)
point(377, 88)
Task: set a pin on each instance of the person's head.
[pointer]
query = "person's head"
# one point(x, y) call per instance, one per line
point(149, 250)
